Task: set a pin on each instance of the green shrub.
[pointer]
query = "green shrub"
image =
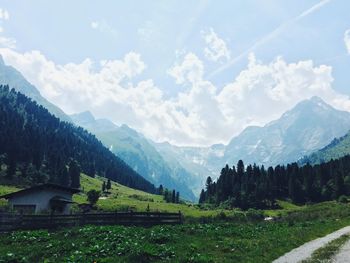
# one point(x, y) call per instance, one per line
point(254, 215)
point(342, 199)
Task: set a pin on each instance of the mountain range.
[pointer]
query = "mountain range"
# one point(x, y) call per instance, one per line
point(309, 126)
point(134, 149)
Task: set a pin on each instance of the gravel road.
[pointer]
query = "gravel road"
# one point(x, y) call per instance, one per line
point(305, 251)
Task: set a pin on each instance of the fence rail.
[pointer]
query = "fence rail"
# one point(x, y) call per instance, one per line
point(11, 221)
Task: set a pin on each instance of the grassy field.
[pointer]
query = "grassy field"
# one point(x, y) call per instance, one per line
point(232, 236)
point(215, 242)
point(123, 198)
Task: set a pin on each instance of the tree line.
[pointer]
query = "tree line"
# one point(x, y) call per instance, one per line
point(36, 147)
point(254, 186)
point(170, 196)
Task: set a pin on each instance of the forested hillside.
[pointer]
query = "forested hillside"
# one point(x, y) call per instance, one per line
point(36, 147)
point(339, 147)
point(256, 187)
point(138, 152)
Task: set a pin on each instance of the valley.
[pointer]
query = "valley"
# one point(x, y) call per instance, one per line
point(174, 131)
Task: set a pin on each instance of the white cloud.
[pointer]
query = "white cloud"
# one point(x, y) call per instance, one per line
point(4, 14)
point(201, 115)
point(104, 27)
point(7, 42)
point(94, 24)
point(264, 91)
point(191, 70)
point(347, 40)
point(216, 48)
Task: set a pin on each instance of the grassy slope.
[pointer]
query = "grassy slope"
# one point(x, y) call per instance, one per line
point(123, 197)
point(5, 189)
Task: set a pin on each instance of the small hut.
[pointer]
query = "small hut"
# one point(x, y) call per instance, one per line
point(42, 198)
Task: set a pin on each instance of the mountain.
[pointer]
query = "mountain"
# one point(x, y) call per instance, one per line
point(138, 152)
point(338, 148)
point(309, 126)
point(199, 162)
point(37, 147)
point(10, 76)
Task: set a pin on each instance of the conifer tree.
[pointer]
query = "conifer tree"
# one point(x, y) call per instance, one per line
point(109, 184)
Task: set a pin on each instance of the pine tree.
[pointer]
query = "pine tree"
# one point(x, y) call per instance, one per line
point(103, 186)
point(177, 200)
point(74, 173)
point(202, 197)
point(160, 190)
point(109, 184)
point(173, 197)
point(64, 177)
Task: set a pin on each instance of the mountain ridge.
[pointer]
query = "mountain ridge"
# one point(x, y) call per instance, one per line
point(12, 77)
point(136, 150)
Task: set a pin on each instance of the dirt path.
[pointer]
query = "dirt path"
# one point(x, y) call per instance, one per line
point(305, 251)
point(344, 254)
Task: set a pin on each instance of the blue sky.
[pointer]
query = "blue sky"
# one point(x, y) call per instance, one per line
point(190, 57)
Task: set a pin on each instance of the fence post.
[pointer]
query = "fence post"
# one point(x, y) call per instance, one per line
point(180, 217)
point(115, 217)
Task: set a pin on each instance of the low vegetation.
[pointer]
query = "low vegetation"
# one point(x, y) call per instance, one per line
point(226, 235)
point(215, 242)
point(122, 198)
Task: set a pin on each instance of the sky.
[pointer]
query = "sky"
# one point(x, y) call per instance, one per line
point(187, 72)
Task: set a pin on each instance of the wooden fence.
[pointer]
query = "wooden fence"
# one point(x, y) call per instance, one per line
point(12, 221)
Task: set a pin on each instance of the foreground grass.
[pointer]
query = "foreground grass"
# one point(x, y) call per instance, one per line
point(218, 242)
point(325, 254)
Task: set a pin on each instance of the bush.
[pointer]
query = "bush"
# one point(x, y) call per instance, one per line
point(342, 199)
point(93, 196)
point(254, 215)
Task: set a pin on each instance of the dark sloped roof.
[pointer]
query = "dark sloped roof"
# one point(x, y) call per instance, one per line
point(42, 187)
point(60, 199)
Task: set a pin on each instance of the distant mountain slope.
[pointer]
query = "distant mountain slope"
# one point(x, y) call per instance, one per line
point(134, 149)
point(35, 146)
point(10, 76)
point(198, 162)
point(309, 126)
point(338, 148)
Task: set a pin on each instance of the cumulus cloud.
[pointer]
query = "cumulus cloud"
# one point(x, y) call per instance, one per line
point(4, 14)
point(190, 70)
point(347, 40)
point(264, 91)
point(216, 48)
point(202, 114)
